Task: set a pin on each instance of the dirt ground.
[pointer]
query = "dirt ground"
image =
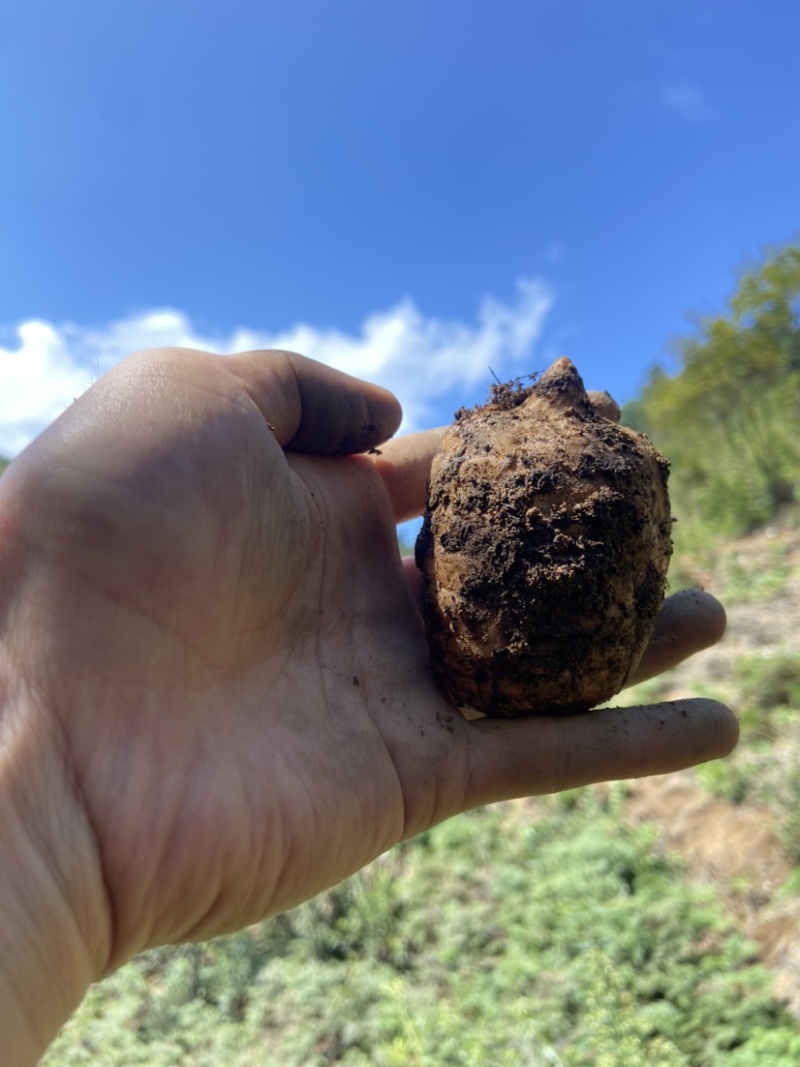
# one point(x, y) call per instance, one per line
point(734, 847)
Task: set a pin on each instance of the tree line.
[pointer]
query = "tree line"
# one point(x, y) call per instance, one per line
point(725, 410)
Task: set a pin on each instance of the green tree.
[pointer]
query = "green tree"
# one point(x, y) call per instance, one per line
point(727, 417)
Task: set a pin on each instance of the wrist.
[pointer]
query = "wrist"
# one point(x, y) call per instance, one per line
point(54, 923)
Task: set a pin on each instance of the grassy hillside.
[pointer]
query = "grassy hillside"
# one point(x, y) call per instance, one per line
point(529, 933)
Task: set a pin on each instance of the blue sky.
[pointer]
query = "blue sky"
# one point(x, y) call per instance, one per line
point(415, 191)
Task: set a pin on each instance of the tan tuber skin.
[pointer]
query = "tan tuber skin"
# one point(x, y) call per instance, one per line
point(544, 550)
point(215, 690)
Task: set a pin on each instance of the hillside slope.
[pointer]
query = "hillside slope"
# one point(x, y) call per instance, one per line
point(737, 822)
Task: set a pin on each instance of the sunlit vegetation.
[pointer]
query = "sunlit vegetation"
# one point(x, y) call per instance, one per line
point(726, 409)
point(548, 932)
point(523, 934)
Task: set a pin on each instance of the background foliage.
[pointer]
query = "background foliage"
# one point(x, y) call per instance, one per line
point(726, 410)
point(545, 933)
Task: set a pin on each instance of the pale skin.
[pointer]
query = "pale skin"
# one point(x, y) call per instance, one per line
point(215, 692)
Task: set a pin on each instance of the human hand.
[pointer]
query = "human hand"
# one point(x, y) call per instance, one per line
point(216, 688)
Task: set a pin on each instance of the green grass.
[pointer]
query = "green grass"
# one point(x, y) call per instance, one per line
point(701, 555)
point(770, 681)
point(765, 688)
point(744, 584)
point(515, 935)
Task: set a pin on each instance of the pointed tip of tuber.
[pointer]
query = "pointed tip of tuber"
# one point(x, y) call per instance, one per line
point(560, 368)
point(562, 387)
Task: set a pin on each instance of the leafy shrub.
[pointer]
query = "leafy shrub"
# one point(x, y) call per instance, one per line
point(548, 934)
point(768, 1048)
point(618, 1029)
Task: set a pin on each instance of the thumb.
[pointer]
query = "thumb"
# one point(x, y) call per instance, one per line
point(313, 408)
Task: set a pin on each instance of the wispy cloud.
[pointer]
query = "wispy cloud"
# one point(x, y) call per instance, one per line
point(427, 362)
point(686, 100)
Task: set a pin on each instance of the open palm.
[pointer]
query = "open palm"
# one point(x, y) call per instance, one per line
point(213, 624)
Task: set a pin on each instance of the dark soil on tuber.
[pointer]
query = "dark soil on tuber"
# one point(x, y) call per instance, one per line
point(544, 550)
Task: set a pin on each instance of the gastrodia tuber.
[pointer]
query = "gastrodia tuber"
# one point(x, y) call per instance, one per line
point(543, 550)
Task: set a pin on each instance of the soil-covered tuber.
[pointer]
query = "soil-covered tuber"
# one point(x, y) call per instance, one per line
point(543, 551)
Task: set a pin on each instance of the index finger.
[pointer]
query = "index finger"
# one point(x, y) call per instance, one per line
point(405, 466)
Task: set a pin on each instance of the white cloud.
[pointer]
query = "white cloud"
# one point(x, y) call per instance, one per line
point(37, 381)
point(425, 361)
point(685, 99)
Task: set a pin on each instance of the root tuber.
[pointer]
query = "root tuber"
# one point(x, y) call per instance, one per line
point(544, 550)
